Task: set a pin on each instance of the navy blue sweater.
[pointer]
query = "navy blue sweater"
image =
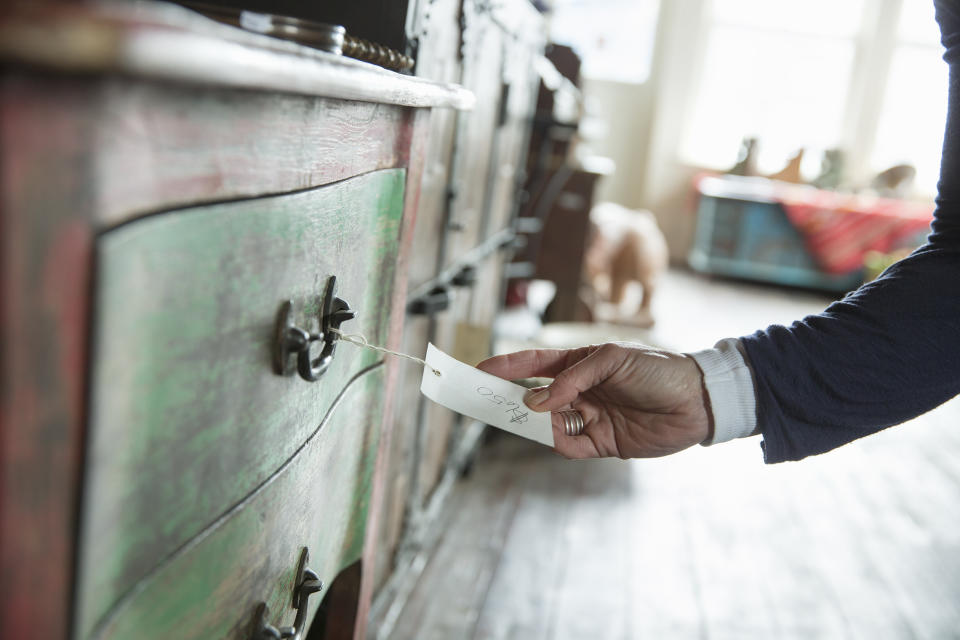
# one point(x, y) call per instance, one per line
point(887, 352)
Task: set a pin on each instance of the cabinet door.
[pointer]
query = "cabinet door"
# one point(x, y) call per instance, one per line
point(318, 500)
point(188, 415)
point(482, 65)
point(523, 42)
point(438, 58)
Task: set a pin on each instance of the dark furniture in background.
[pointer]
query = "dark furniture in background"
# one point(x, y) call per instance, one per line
point(559, 191)
point(562, 244)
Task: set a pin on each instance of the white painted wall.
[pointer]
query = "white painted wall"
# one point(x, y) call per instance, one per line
point(645, 122)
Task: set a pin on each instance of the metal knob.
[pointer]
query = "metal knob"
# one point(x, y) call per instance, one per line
point(291, 340)
point(308, 582)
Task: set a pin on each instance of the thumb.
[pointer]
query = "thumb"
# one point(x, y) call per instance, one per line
point(573, 380)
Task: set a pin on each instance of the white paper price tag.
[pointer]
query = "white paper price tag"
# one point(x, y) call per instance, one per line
point(482, 396)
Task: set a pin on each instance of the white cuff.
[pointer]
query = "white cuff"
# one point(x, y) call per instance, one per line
point(729, 383)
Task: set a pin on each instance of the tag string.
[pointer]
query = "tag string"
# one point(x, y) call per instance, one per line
point(361, 341)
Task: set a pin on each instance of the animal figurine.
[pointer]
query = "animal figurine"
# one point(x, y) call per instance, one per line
point(895, 182)
point(746, 158)
point(791, 172)
point(625, 246)
point(831, 170)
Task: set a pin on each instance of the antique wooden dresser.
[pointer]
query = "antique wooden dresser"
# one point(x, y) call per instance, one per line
point(189, 210)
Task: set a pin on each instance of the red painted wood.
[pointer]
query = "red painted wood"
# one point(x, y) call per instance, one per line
point(415, 165)
point(43, 334)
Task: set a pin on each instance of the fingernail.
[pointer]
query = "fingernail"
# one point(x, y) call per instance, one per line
point(537, 398)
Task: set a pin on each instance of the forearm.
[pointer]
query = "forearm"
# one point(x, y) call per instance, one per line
point(884, 354)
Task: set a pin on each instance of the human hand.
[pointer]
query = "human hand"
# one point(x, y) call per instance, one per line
point(636, 401)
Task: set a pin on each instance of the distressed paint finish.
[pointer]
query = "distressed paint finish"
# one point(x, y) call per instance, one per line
point(438, 60)
point(107, 150)
point(211, 588)
point(64, 175)
point(187, 416)
point(46, 262)
point(438, 34)
point(150, 146)
point(513, 133)
point(166, 145)
point(413, 195)
point(87, 153)
point(483, 47)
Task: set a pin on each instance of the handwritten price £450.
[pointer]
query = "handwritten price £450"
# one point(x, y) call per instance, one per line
point(517, 414)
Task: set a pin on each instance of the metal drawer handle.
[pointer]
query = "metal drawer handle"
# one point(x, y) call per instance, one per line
point(434, 301)
point(308, 582)
point(292, 340)
point(466, 277)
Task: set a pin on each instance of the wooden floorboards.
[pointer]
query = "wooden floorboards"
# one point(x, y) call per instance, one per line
point(859, 543)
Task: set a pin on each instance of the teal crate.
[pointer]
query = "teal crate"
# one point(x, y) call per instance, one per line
point(754, 239)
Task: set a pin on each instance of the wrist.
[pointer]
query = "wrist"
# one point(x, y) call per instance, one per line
point(728, 387)
point(704, 402)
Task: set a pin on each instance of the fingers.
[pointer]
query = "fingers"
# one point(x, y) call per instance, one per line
point(532, 363)
point(570, 382)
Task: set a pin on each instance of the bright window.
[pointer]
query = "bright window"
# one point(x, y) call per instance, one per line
point(862, 75)
point(614, 38)
point(915, 101)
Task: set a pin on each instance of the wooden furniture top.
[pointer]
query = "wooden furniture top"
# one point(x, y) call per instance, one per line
point(169, 42)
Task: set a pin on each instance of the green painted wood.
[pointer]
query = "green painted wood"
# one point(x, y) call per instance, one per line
point(83, 153)
point(319, 500)
point(187, 415)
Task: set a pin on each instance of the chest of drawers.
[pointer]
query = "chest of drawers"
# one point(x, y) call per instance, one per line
point(177, 196)
point(185, 311)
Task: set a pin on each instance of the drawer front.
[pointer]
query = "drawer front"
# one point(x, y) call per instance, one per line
point(317, 501)
point(187, 414)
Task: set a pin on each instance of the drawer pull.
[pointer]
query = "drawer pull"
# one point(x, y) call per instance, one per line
point(292, 340)
point(308, 582)
point(434, 301)
point(466, 277)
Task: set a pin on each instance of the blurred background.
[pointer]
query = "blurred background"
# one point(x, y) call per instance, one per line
point(796, 145)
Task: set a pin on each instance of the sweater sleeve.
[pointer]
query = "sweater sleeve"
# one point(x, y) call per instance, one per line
point(887, 352)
